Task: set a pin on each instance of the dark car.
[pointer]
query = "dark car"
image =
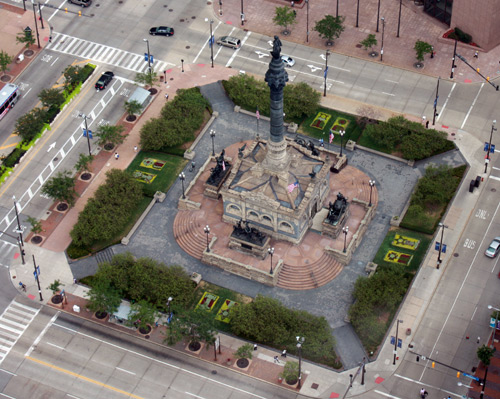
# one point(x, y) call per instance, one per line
point(82, 3)
point(161, 31)
point(104, 80)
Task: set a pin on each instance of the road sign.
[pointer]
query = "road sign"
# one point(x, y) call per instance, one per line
point(473, 377)
point(492, 148)
point(326, 72)
point(492, 323)
point(443, 250)
point(85, 133)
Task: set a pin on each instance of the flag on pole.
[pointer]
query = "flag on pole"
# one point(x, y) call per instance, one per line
point(223, 165)
point(257, 113)
point(292, 187)
point(331, 137)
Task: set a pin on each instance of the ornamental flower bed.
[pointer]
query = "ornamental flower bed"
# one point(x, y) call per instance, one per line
point(320, 120)
point(225, 311)
point(405, 242)
point(207, 301)
point(398, 257)
point(152, 163)
point(340, 124)
point(144, 177)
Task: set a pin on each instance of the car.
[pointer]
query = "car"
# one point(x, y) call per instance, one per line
point(103, 81)
point(229, 41)
point(82, 3)
point(161, 31)
point(494, 248)
point(287, 60)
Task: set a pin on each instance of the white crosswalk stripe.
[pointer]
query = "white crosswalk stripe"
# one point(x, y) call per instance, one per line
point(13, 322)
point(7, 250)
point(104, 54)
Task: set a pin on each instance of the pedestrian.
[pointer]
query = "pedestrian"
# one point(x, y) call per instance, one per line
point(476, 54)
point(50, 39)
point(423, 393)
point(283, 354)
point(427, 125)
point(117, 156)
point(135, 148)
point(292, 3)
point(166, 96)
point(75, 281)
point(276, 360)
point(478, 339)
point(432, 51)
point(423, 119)
point(23, 286)
point(294, 13)
point(254, 347)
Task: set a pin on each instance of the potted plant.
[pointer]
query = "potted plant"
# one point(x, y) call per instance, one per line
point(36, 228)
point(244, 355)
point(55, 287)
point(290, 373)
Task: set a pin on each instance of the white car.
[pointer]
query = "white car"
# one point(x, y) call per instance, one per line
point(494, 248)
point(288, 61)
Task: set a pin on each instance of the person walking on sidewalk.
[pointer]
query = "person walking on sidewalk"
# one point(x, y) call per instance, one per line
point(117, 156)
point(283, 354)
point(423, 393)
point(476, 54)
point(276, 360)
point(23, 286)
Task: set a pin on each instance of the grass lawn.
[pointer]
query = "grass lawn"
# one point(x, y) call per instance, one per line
point(164, 177)
point(417, 255)
point(353, 131)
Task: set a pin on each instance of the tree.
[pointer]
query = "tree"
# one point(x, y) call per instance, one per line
point(72, 76)
point(330, 27)
point(153, 135)
point(5, 61)
point(149, 78)
point(36, 225)
point(83, 163)
point(485, 353)
point(51, 97)
point(30, 124)
point(196, 325)
point(110, 134)
point(133, 107)
point(422, 48)
point(26, 37)
point(142, 314)
point(301, 100)
point(61, 188)
point(285, 16)
point(244, 352)
point(290, 372)
point(103, 297)
point(369, 42)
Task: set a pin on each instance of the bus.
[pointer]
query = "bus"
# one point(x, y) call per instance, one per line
point(8, 98)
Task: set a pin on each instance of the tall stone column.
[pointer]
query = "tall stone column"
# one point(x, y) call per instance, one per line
point(276, 78)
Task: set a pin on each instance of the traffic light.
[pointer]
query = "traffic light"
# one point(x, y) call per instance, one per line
point(433, 364)
point(458, 374)
point(79, 13)
point(66, 10)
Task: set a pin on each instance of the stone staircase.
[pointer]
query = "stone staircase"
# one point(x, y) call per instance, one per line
point(188, 232)
point(305, 277)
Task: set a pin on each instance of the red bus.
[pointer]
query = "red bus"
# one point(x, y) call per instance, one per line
point(8, 98)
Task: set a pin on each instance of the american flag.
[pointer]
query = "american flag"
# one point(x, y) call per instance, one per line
point(257, 113)
point(331, 137)
point(223, 165)
point(292, 187)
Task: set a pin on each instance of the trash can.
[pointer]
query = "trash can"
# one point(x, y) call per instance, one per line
point(472, 185)
point(478, 180)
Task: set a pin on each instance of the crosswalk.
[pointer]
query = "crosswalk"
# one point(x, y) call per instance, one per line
point(7, 250)
point(104, 54)
point(13, 322)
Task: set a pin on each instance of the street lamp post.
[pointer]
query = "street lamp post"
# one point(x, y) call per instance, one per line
point(493, 129)
point(242, 14)
point(182, 65)
point(169, 301)
point(337, 13)
point(307, 19)
point(37, 277)
point(86, 132)
point(211, 42)
point(453, 66)
point(206, 229)
point(326, 70)
point(19, 229)
point(212, 135)
point(300, 342)
point(40, 12)
point(220, 7)
point(182, 176)
point(149, 55)
point(341, 132)
point(435, 103)
point(357, 15)
point(382, 44)
point(494, 326)
point(371, 183)
point(440, 244)
point(271, 252)
point(21, 250)
point(36, 24)
point(345, 230)
point(363, 371)
point(399, 18)
point(396, 341)
point(378, 14)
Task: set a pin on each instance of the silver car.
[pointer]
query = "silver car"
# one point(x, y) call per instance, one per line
point(494, 248)
point(287, 60)
point(229, 41)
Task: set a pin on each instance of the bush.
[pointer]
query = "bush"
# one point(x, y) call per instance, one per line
point(13, 158)
point(51, 114)
point(75, 252)
point(462, 36)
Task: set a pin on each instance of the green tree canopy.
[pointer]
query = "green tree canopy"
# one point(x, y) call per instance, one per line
point(195, 325)
point(149, 78)
point(133, 107)
point(110, 134)
point(284, 17)
point(83, 163)
point(369, 42)
point(51, 97)
point(103, 296)
point(72, 76)
point(330, 27)
point(31, 124)
point(485, 353)
point(5, 61)
point(421, 49)
point(61, 188)
point(26, 37)
point(142, 314)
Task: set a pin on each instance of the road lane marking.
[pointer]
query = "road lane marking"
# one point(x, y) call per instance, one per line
point(472, 106)
point(446, 102)
point(392, 81)
point(389, 94)
point(387, 395)
point(40, 336)
point(237, 51)
point(82, 377)
point(55, 346)
point(125, 371)
point(427, 385)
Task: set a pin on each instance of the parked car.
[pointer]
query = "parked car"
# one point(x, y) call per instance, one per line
point(287, 60)
point(161, 31)
point(82, 3)
point(494, 248)
point(229, 41)
point(103, 81)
